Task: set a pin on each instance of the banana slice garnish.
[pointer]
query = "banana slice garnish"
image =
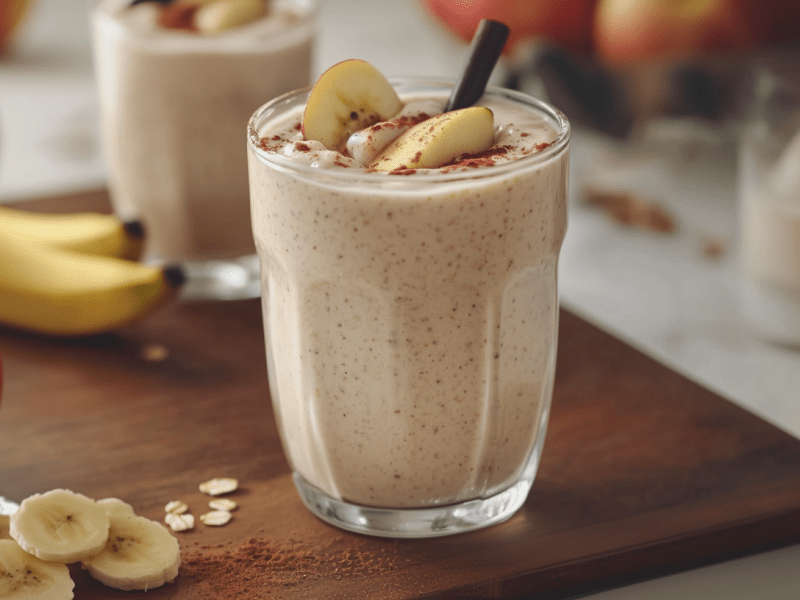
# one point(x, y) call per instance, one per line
point(25, 577)
point(60, 526)
point(140, 554)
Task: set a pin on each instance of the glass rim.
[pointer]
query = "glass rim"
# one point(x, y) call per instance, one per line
point(556, 147)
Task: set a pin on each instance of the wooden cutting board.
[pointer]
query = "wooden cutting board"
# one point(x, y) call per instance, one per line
point(644, 472)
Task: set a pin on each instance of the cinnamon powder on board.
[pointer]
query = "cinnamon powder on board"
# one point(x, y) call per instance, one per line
point(259, 567)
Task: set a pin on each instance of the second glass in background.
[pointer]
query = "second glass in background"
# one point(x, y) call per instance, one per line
point(173, 105)
point(769, 205)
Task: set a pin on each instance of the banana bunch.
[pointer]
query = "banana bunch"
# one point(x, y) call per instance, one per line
point(117, 547)
point(76, 273)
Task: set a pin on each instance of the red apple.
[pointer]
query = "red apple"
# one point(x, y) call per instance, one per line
point(566, 22)
point(629, 31)
point(11, 13)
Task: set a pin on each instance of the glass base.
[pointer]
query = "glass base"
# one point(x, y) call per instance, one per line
point(414, 522)
point(229, 279)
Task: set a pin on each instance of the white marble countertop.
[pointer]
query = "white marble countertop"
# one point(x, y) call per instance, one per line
point(660, 293)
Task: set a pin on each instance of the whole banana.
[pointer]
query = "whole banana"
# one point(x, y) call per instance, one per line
point(53, 291)
point(85, 232)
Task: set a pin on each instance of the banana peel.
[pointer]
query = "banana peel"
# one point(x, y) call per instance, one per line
point(54, 291)
point(84, 232)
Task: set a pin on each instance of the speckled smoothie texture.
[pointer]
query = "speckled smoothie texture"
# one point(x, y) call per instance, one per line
point(411, 321)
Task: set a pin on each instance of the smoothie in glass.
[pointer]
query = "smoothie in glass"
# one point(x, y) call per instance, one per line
point(174, 101)
point(411, 317)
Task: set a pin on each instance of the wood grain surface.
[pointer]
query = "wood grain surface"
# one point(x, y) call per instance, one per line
point(644, 472)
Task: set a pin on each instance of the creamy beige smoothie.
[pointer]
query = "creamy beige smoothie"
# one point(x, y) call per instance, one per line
point(411, 319)
point(174, 103)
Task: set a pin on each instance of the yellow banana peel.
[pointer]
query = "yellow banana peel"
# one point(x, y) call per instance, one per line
point(50, 290)
point(84, 232)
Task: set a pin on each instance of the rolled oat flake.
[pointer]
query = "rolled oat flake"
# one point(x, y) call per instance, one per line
point(219, 486)
point(216, 518)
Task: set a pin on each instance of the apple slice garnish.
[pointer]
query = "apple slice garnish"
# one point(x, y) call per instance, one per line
point(349, 96)
point(438, 141)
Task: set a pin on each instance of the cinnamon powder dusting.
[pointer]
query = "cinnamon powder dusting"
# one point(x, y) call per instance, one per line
point(486, 158)
point(262, 569)
point(399, 122)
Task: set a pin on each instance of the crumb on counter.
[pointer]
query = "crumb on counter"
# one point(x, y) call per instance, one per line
point(631, 209)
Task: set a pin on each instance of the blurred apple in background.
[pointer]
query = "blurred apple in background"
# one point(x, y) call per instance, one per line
point(566, 22)
point(11, 14)
point(631, 31)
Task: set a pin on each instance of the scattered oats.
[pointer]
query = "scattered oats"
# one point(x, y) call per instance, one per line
point(223, 504)
point(177, 522)
point(219, 486)
point(216, 518)
point(176, 507)
point(155, 353)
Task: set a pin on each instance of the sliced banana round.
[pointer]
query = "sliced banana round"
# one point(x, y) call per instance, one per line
point(347, 97)
point(140, 554)
point(25, 577)
point(115, 507)
point(60, 526)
